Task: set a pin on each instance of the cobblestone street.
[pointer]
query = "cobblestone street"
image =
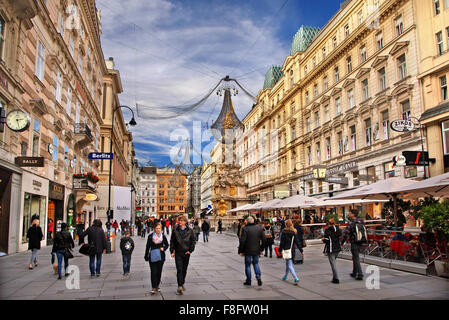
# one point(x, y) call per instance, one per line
point(216, 272)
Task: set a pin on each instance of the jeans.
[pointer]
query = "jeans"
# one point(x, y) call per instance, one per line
point(197, 237)
point(270, 247)
point(289, 267)
point(356, 267)
point(333, 261)
point(254, 260)
point(126, 262)
point(60, 255)
point(156, 273)
point(206, 236)
point(33, 256)
point(182, 262)
point(92, 263)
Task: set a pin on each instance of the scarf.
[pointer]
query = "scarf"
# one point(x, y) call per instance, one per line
point(157, 239)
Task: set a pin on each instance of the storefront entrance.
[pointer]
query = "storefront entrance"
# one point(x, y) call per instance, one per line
point(55, 209)
point(5, 201)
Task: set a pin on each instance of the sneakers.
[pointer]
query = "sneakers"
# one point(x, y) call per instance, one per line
point(335, 281)
point(97, 275)
point(183, 288)
point(285, 278)
point(153, 291)
point(246, 283)
point(158, 289)
point(259, 282)
point(296, 281)
point(179, 291)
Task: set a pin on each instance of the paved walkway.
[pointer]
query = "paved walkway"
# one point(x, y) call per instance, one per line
point(216, 272)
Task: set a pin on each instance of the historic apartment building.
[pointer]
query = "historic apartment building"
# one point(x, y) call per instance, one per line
point(193, 198)
point(331, 103)
point(171, 192)
point(147, 190)
point(51, 74)
point(433, 36)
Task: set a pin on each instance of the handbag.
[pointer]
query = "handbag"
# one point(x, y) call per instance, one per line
point(155, 255)
point(88, 249)
point(287, 254)
point(68, 254)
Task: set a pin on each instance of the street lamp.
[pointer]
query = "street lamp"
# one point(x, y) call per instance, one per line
point(422, 145)
point(108, 224)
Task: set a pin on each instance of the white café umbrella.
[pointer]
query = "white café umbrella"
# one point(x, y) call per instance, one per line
point(300, 201)
point(437, 186)
point(380, 190)
point(271, 204)
point(255, 206)
point(240, 208)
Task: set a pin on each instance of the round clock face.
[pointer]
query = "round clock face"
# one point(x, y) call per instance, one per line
point(17, 120)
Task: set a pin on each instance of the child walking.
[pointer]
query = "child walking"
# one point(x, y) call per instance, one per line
point(127, 247)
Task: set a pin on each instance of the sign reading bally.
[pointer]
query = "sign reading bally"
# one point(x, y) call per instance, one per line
point(101, 155)
point(402, 125)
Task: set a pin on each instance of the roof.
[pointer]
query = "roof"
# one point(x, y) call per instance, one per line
point(272, 76)
point(303, 38)
point(435, 111)
point(148, 170)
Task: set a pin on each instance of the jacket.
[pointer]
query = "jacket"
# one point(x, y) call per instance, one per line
point(34, 236)
point(180, 244)
point(205, 226)
point(196, 228)
point(126, 245)
point(96, 236)
point(253, 241)
point(350, 230)
point(269, 229)
point(63, 240)
point(331, 239)
point(300, 235)
point(220, 225)
point(286, 241)
point(151, 245)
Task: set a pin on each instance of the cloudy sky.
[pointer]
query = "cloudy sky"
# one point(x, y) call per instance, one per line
point(173, 52)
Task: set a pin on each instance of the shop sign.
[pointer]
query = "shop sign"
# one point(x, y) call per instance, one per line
point(402, 125)
point(417, 158)
point(281, 191)
point(29, 161)
point(336, 179)
point(37, 185)
point(399, 160)
point(101, 155)
point(56, 191)
point(364, 177)
point(342, 168)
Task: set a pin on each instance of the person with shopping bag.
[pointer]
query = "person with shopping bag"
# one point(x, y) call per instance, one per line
point(288, 239)
point(96, 246)
point(157, 245)
point(332, 246)
point(62, 245)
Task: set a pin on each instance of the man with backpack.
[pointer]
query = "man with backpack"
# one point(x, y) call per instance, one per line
point(356, 232)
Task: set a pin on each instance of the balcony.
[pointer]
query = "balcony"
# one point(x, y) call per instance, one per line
point(83, 135)
point(83, 184)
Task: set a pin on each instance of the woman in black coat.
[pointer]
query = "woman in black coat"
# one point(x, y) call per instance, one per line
point(34, 236)
point(63, 241)
point(95, 235)
point(332, 246)
point(156, 241)
point(269, 235)
point(300, 236)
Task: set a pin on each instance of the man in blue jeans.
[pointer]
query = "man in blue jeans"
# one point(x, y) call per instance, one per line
point(205, 227)
point(252, 244)
point(96, 236)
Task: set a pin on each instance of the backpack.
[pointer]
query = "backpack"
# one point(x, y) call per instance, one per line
point(268, 233)
point(360, 235)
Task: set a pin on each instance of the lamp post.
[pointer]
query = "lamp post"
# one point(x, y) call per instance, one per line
point(108, 224)
point(422, 146)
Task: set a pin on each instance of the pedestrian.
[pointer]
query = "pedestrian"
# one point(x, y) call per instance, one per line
point(288, 240)
point(332, 246)
point(269, 234)
point(182, 244)
point(115, 226)
point(220, 226)
point(96, 236)
point(50, 229)
point(34, 236)
point(62, 245)
point(167, 226)
point(163, 225)
point(122, 226)
point(157, 244)
point(127, 247)
point(143, 233)
point(251, 245)
point(299, 256)
point(196, 230)
point(350, 232)
point(242, 224)
point(205, 227)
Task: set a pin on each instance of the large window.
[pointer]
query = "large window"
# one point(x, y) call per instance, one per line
point(36, 138)
point(58, 86)
point(353, 138)
point(443, 85)
point(440, 45)
point(398, 25)
point(382, 79)
point(402, 67)
point(389, 170)
point(40, 60)
point(385, 125)
point(405, 106)
point(365, 89)
point(379, 41)
point(2, 37)
point(445, 128)
point(33, 205)
point(337, 106)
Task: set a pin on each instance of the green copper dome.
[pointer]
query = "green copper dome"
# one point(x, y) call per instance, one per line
point(272, 76)
point(303, 38)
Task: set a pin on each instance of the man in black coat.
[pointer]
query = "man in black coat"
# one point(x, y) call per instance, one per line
point(182, 244)
point(205, 226)
point(95, 235)
point(252, 244)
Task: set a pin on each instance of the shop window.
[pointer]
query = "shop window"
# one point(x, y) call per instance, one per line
point(411, 171)
point(371, 171)
point(311, 187)
point(34, 205)
point(355, 179)
point(389, 170)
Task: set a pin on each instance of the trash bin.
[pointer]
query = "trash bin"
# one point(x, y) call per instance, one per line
point(112, 242)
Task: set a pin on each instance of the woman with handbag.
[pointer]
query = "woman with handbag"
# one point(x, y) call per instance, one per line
point(62, 244)
point(34, 236)
point(288, 239)
point(157, 244)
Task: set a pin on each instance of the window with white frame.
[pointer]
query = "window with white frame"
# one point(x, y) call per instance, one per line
point(353, 138)
point(445, 128)
point(405, 107)
point(436, 7)
point(328, 148)
point(362, 54)
point(326, 113)
point(365, 89)
point(340, 144)
point(40, 60)
point(325, 83)
point(351, 103)
point(368, 132)
point(398, 25)
point(385, 125)
point(337, 75)
point(402, 67)
point(382, 79)
point(346, 30)
point(443, 86)
point(337, 106)
point(440, 45)
point(379, 41)
point(58, 86)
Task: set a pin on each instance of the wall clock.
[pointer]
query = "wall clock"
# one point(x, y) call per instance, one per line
point(18, 120)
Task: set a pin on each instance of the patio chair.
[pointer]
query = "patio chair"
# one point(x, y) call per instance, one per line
point(430, 253)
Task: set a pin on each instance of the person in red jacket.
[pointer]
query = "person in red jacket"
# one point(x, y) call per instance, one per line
point(167, 226)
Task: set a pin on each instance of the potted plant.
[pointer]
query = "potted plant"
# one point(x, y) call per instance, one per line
point(436, 217)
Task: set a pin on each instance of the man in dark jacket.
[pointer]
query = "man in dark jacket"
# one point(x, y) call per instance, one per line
point(205, 226)
point(355, 247)
point(96, 236)
point(252, 244)
point(63, 241)
point(182, 244)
